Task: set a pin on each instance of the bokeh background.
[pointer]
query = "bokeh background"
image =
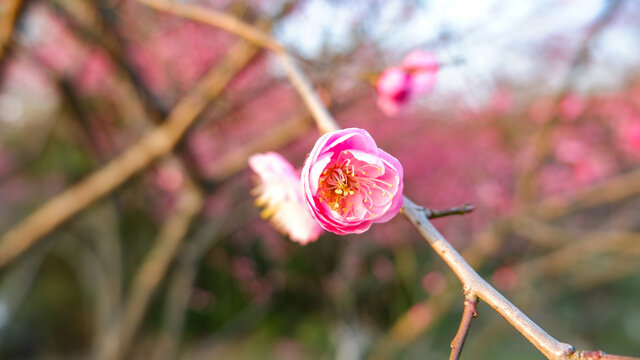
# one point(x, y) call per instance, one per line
point(535, 119)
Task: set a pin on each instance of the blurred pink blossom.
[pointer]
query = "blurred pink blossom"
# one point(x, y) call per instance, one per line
point(397, 85)
point(169, 178)
point(349, 183)
point(571, 107)
point(434, 283)
point(505, 278)
point(628, 131)
point(280, 193)
point(394, 85)
point(423, 67)
point(383, 269)
point(95, 73)
point(570, 151)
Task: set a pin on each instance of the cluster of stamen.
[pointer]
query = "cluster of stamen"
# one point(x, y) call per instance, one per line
point(340, 182)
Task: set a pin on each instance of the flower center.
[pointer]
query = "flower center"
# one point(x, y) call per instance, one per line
point(345, 184)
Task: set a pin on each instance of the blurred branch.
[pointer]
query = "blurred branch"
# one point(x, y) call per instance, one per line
point(151, 273)
point(472, 282)
point(217, 19)
point(11, 14)
point(150, 147)
point(615, 189)
point(113, 45)
point(470, 312)
point(180, 289)
point(526, 185)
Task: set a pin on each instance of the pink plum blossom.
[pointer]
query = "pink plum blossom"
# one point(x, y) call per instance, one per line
point(349, 183)
point(396, 86)
point(423, 67)
point(279, 192)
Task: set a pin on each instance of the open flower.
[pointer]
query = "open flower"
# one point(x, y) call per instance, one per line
point(349, 183)
point(398, 85)
point(279, 192)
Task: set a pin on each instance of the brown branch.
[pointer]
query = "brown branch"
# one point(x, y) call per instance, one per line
point(150, 274)
point(545, 343)
point(10, 16)
point(470, 312)
point(157, 143)
point(217, 19)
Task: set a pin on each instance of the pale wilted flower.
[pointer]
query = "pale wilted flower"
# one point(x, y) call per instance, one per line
point(279, 193)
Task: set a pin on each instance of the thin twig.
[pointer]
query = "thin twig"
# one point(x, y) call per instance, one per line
point(150, 147)
point(456, 210)
point(470, 312)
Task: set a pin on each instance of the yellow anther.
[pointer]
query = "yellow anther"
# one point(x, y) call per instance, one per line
point(338, 191)
point(345, 152)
